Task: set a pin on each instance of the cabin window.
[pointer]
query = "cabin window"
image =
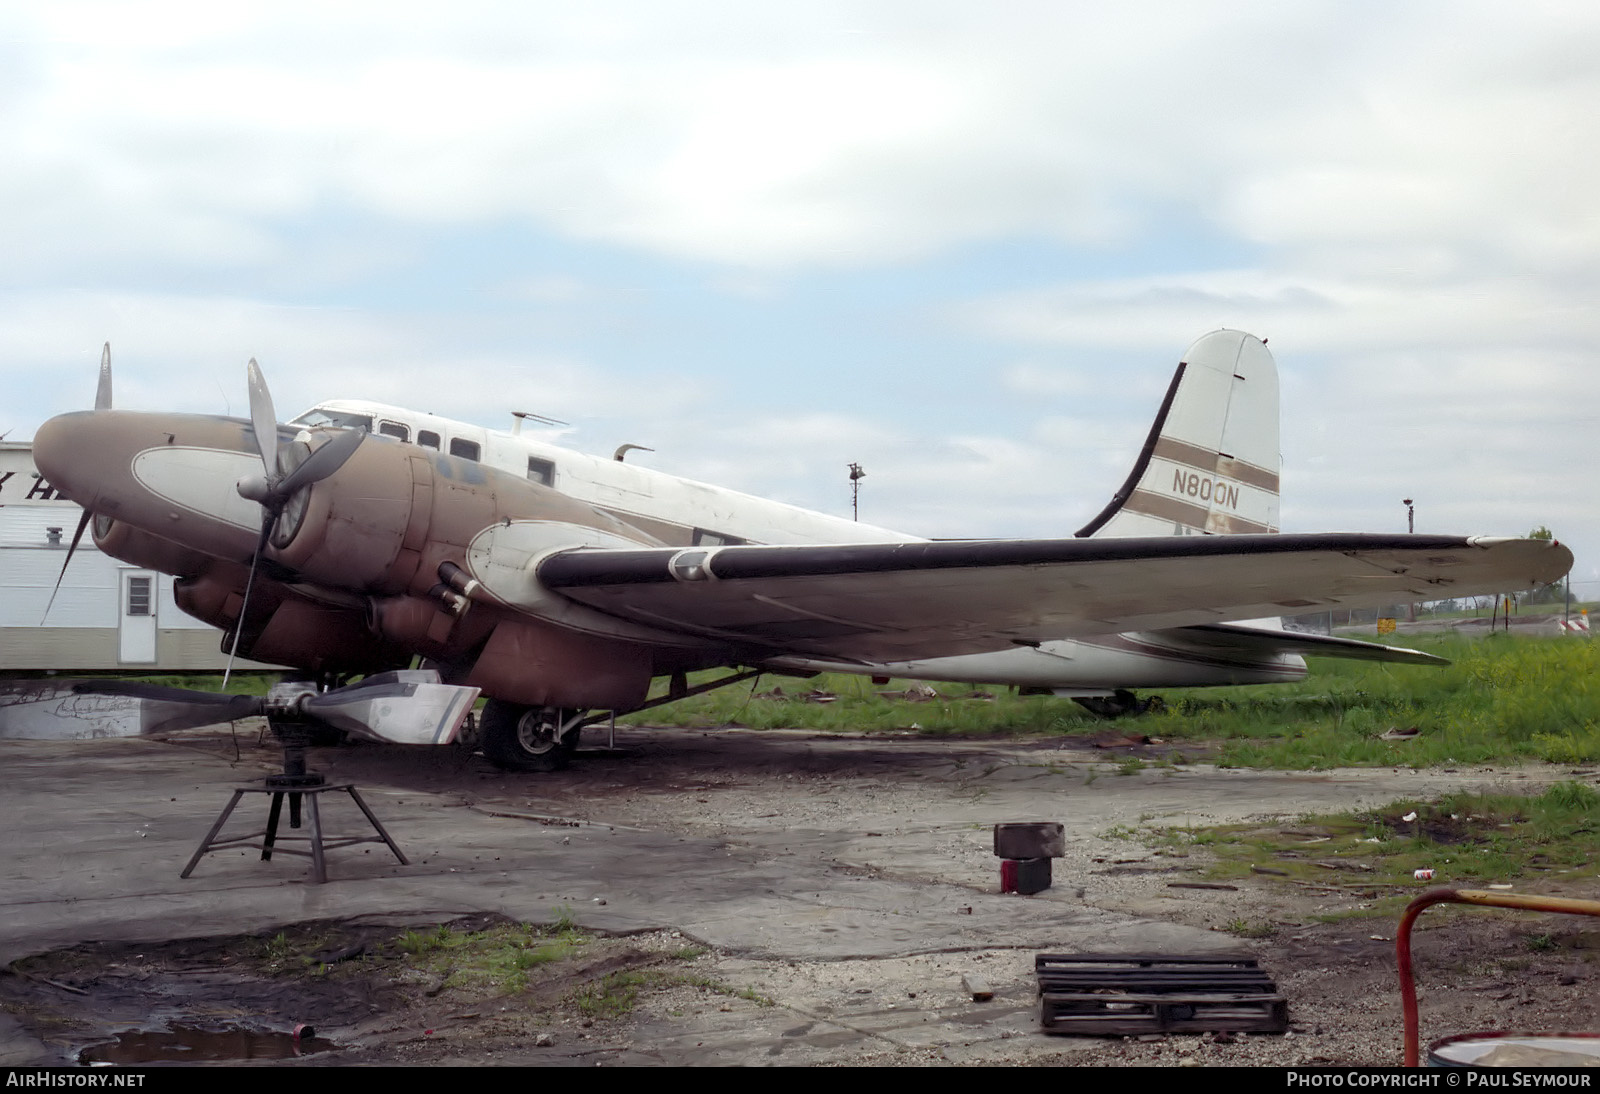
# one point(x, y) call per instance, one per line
point(139, 596)
point(394, 429)
point(341, 418)
point(541, 471)
point(427, 438)
point(703, 538)
point(467, 450)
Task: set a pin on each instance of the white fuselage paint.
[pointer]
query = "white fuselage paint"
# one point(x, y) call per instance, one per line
point(678, 510)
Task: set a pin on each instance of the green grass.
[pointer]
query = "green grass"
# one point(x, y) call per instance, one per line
point(496, 959)
point(1468, 840)
point(1504, 699)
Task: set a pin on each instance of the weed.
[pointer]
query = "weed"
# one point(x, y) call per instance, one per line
point(1244, 929)
point(277, 949)
point(1540, 942)
point(1131, 766)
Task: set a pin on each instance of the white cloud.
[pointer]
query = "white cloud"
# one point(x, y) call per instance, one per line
point(837, 135)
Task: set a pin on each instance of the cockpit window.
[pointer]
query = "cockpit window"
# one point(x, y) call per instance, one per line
point(343, 419)
point(467, 450)
point(427, 438)
point(394, 429)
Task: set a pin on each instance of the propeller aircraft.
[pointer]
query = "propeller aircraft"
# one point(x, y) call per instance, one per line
point(350, 544)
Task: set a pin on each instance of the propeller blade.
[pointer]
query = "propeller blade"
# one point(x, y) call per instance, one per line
point(83, 522)
point(102, 395)
point(264, 420)
point(408, 707)
point(61, 710)
point(321, 463)
point(255, 561)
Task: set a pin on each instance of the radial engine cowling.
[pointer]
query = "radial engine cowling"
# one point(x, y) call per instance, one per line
point(363, 527)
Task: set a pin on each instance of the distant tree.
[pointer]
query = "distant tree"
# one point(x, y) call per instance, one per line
point(1556, 591)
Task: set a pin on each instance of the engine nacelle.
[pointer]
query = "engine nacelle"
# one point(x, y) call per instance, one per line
point(536, 664)
point(124, 541)
point(322, 638)
point(424, 625)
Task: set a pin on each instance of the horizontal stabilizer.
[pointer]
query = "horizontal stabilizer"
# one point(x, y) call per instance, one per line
point(1244, 638)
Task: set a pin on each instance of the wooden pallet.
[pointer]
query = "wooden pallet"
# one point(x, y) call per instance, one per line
point(1096, 994)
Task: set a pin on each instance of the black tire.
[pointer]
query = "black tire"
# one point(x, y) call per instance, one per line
point(519, 738)
point(1121, 703)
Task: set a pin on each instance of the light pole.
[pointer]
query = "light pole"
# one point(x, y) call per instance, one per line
point(1411, 528)
point(856, 475)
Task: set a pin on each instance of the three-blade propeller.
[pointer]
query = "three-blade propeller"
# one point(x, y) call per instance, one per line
point(274, 488)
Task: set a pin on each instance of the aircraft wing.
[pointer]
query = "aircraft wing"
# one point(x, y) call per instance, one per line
point(903, 601)
point(1246, 639)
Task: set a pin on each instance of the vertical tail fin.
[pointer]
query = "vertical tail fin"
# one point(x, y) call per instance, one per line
point(1210, 464)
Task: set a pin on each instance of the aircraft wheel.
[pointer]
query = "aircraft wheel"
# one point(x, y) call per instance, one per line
point(519, 738)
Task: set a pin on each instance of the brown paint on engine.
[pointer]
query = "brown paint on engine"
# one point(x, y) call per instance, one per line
point(423, 624)
point(529, 662)
point(125, 542)
point(321, 637)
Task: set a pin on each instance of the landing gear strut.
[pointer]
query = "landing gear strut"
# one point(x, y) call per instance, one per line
point(519, 738)
point(1119, 703)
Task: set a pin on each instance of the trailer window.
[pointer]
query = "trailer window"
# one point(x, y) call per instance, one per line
point(138, 596)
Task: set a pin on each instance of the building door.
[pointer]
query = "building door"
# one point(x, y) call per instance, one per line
point(136, 629)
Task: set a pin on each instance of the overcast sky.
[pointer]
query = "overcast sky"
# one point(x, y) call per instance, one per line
point(962, 244)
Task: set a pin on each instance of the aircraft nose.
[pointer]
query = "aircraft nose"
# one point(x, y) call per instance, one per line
point(64, 452)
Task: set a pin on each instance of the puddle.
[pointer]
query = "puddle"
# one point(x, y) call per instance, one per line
point(179, 1044)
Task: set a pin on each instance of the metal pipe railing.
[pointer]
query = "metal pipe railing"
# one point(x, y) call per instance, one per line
point(1402, 937)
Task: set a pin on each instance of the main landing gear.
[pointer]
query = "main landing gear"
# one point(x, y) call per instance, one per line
point(519, 738)
point(1119, 703)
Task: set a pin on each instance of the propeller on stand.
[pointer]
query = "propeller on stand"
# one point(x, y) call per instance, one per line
point(406, 706)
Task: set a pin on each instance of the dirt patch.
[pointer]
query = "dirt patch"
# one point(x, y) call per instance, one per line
point(379, 1001)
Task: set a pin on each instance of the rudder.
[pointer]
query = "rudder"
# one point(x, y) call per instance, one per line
point(1210, 464)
